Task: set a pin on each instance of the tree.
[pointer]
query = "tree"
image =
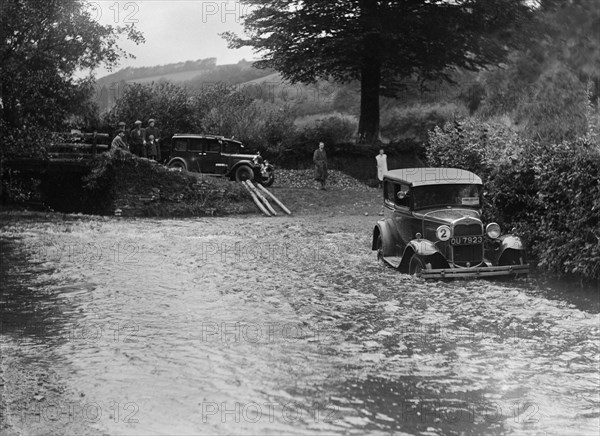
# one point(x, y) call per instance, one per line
point(379, 42)
point(543, 87)
point(167, 102)
point(44, 44)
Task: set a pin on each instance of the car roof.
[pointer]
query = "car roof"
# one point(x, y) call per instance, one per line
point(432, 176)
point(200, 135)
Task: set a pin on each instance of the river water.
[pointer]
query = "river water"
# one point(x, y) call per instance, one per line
point(276, 326)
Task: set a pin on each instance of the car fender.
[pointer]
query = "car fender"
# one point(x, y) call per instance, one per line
point(239, 163)
point(511, 241)
point(426, 249)
point(422, 247)
point(178, 159)
point(384, 229)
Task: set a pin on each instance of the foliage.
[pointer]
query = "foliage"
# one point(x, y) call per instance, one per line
point(44, 44)
point(18, 188)
point(543, 86)
point(379, 43)
point(568, 213)
point(24, 142)
point(549, 192)
point(474, 145)
point(414, 122)
point(169, 104)
point(219, 110)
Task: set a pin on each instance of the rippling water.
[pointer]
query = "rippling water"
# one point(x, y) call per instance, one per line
point(281, 326)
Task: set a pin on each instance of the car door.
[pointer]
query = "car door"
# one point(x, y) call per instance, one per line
point(399, 194)
point(211, 158)
point(195, 154)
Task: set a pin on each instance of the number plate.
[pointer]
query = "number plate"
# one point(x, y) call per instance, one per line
point(466, 240)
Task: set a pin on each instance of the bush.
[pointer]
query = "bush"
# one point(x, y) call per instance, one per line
point(568, 213)
point(334, 131)
point(331, 130)
point(550, 193)
point(414, 123)
point(474, 145)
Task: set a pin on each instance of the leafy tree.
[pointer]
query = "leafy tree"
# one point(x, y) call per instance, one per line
point(44, 43)
point(379, 42)
point(543, 86)
point(168, 103)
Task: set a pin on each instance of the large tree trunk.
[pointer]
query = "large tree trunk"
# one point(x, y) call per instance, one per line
point(368, 126)
point(370, 75)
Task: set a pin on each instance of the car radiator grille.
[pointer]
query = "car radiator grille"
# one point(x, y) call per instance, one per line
point(468, 253)
point(468, 230)
point(472, 254)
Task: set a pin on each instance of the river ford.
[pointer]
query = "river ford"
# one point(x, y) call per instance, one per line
point(288, 325)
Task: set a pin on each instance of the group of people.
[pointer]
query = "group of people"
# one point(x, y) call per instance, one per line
point(143, 142)
point(320, 161)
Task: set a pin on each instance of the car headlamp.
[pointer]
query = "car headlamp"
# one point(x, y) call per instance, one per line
point(493, 230)
point(443, 233)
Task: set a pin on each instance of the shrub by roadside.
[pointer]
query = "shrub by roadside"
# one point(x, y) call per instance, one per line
point(550, 193)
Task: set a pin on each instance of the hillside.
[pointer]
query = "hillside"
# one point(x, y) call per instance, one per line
point(191, 74)
point(167, 72)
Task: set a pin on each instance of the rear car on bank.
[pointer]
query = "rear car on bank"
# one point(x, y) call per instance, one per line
point(220, 156)
point(432, 227)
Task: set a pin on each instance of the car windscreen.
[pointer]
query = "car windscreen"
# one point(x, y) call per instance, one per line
point(465, 195)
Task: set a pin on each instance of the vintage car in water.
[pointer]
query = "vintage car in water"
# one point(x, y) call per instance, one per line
point(217, 155)
point(432, 227)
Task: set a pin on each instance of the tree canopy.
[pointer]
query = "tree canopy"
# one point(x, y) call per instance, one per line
point(44, 44)
point(379, 42)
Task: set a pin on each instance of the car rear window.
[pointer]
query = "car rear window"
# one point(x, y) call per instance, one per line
point(212, 146)
point(179, 144)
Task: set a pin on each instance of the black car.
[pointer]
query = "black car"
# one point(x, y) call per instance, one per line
point(217, 155)
point(432, 227)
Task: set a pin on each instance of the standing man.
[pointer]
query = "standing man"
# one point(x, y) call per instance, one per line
point(320, 160)
point(381, 159)
point(137, 140)
point(152, 131)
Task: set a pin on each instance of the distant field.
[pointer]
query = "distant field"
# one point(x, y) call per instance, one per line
point(172, 77)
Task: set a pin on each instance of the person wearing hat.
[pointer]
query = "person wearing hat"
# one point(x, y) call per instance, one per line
point(137, 140)
point(153, 146)
point(121, 128)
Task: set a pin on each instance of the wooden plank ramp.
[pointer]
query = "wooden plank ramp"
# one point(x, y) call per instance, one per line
point(256, 200)
point(275, 199)
point(261, 197)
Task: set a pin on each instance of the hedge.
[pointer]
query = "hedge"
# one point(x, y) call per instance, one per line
point(549, 193)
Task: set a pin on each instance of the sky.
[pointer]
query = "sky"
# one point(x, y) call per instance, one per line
point(175, 30)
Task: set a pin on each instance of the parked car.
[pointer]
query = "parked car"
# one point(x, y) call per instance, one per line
point(432, 227)
point(217, 155)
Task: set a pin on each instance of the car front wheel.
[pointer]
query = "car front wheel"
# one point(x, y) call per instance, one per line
point(268, 181)
point(380, 249)
point(416, 265)
point(243, 173)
